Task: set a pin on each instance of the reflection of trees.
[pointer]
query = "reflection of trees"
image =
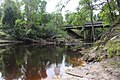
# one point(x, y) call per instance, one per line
point(30, 62)
point(10, 69)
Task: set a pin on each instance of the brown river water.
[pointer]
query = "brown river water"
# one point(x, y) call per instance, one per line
point(35, 62)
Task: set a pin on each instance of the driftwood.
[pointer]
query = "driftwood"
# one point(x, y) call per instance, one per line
point(76, 75)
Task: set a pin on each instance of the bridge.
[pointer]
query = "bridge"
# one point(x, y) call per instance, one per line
point(87, 29)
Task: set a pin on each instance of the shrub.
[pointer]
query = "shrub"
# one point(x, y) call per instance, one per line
point(113, 47)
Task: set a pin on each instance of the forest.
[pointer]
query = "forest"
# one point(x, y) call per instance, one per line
point(27, 21)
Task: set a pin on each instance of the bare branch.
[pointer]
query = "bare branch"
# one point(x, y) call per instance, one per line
point(65, 5)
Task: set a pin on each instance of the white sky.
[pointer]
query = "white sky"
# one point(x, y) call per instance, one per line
point(1, 1)
point(71, 6)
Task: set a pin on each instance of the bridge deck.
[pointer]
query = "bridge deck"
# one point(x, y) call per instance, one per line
point(87, 27)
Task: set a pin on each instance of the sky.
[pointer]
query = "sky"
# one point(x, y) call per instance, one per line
point(71, 6)
point(51, 4)
point(1, 1)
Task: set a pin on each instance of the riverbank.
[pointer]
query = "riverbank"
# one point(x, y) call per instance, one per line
point(99, 66)
point(103, 61)
point(96, 71)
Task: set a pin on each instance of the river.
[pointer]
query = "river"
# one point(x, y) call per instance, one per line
point(36, 62)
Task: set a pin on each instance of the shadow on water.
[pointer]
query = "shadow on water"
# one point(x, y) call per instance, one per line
point(34, 62)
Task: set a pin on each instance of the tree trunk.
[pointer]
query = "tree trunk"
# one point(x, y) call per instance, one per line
point(91, 18)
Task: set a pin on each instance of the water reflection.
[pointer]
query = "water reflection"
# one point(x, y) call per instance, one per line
point(33, 62)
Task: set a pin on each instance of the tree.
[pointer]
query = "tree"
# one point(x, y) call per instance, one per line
point(35, 10)
point(111, 14)
point(108, 12)
point(89, 6)
point(57, 19)
point(11, 14)
point(28, 18)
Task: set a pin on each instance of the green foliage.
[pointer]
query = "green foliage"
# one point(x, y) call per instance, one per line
point(36, 31)
point(115, 64)
point(20, 28)
point(98, 59)
point(77, 18)
point(51, 30)
point(105, 15)
point(57, 20)
point(2, 34)
point(11, 14)
point(113, 48)
point(32, 21)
